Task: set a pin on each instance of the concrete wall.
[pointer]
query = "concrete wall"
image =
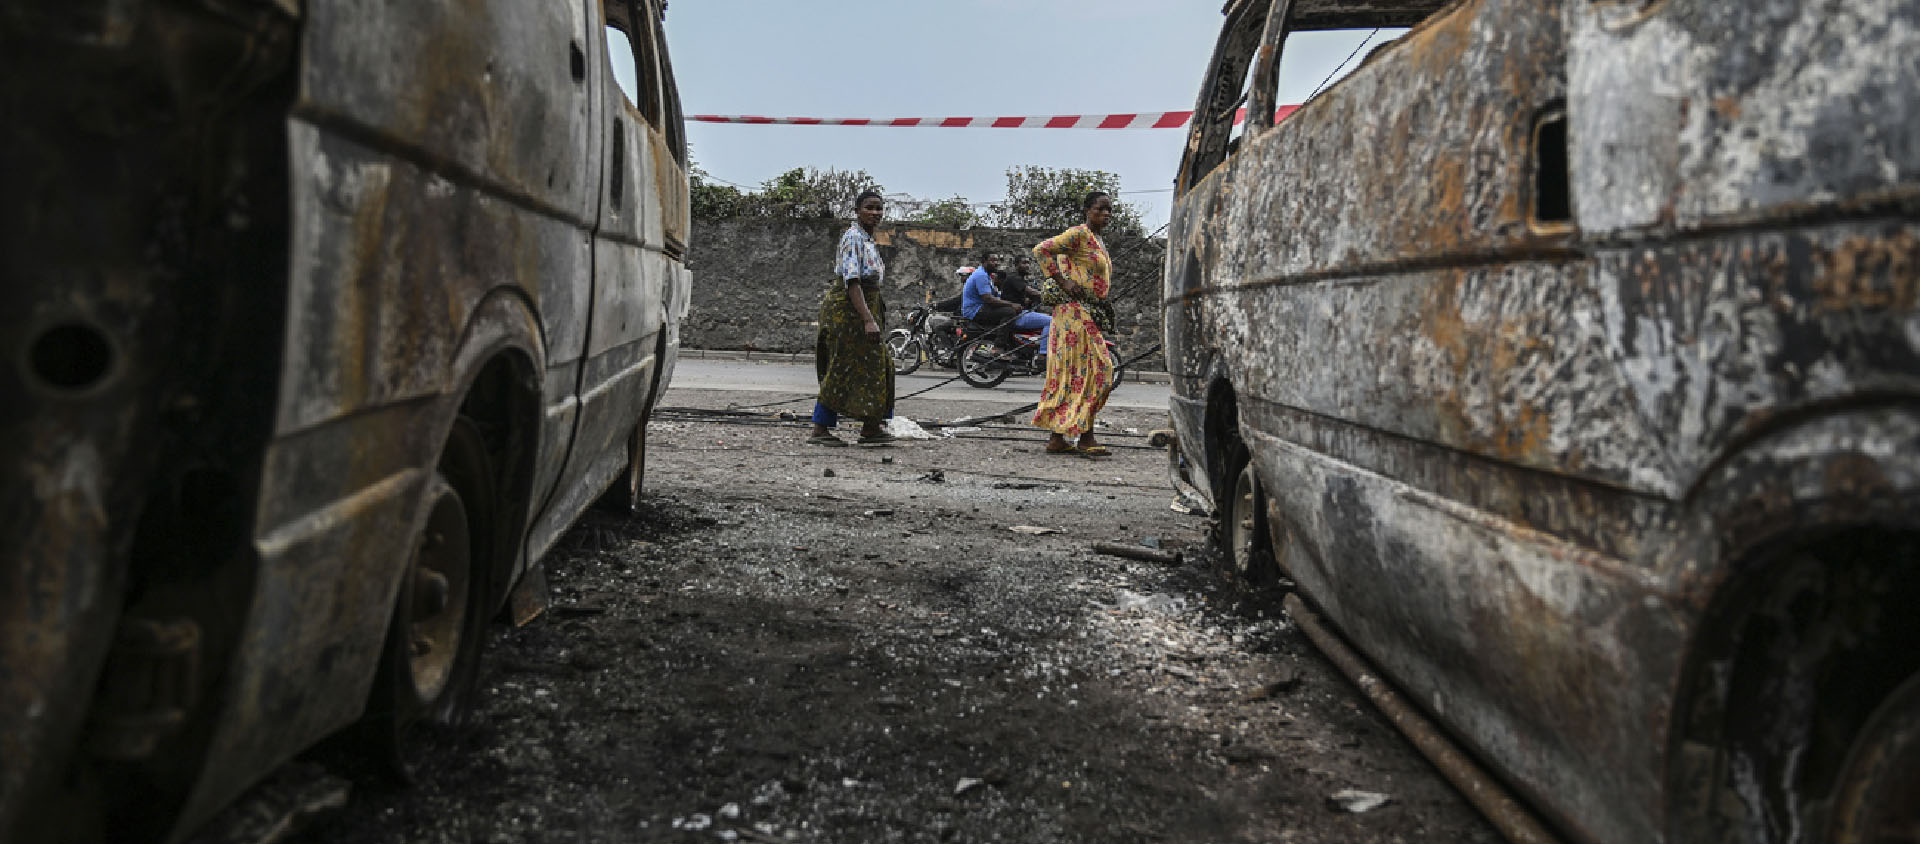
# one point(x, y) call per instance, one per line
point(757, 283)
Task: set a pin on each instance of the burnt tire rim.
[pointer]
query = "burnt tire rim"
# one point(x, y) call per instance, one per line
point(437, 605)
point(1244, 527)
point(1876, 798)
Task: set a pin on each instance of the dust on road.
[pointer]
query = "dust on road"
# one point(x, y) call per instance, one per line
point(770, 653)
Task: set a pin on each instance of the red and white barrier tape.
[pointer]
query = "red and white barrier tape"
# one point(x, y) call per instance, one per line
point(1150, 120)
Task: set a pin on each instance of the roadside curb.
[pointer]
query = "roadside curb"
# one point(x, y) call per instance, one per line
point(1136, 376)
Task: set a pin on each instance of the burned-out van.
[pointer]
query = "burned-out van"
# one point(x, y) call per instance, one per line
point(1566, 357)
point(323, 321)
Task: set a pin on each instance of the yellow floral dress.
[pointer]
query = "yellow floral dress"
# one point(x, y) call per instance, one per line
point(1079, 369)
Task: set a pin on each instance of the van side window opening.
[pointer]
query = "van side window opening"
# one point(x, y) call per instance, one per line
point(631, 50)
point(620, 55)
point(1313, 62)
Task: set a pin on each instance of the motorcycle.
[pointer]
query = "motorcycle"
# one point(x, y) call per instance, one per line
point(991, 356)
point(933, 335)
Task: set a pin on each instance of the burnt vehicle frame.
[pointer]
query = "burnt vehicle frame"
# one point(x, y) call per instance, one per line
point(1564, 356)
point(326, 322)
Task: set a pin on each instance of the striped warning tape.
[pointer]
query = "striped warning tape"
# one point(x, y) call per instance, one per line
point(1148, 120)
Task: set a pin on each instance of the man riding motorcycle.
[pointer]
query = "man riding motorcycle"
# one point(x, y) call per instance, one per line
point(981, 302)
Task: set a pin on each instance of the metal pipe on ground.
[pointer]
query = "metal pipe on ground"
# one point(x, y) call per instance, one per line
point(1493, 800)
point(1138, 552)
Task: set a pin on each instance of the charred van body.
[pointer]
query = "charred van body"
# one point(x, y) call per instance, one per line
point(1566, 356)
point(325, 320)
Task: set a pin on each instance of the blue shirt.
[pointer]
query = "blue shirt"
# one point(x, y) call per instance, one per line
point(978, 285)
point(858, 256)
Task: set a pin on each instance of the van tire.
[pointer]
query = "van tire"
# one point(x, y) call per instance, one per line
point(430, 662)
point(1240, 532)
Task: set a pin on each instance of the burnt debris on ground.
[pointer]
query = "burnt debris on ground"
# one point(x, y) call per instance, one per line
point(769, 651)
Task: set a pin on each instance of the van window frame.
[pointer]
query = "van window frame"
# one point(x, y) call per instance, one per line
point(626, 16)
point(1247, 55)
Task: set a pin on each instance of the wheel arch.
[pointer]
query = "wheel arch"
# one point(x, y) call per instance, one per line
point(1220, 429)
point(497, 369)
point(1801, 561)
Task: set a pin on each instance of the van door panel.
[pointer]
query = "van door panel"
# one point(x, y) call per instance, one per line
point(632, 277)
point(1536, 651)
point(485, 95)
point(487, 86)
point(1426, 378)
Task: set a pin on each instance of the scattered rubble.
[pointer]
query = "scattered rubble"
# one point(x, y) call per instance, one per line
point(767, 664)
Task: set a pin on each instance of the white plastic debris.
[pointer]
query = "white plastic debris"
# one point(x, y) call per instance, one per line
point(962, 429)
point(965, 785)
point(1033, 530)
point(1357, 801)
point(695, 823)
point(907, 429)
point(729, 811)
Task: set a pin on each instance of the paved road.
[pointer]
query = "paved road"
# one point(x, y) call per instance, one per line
point(780, 377)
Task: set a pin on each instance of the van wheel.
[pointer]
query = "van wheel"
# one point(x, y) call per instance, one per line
point(432, 654)
point(1247, 550)
point(1877, 798)
point(1241, 530)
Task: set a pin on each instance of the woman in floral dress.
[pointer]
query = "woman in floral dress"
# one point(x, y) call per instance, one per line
point(855, 371)
point(1079, 370)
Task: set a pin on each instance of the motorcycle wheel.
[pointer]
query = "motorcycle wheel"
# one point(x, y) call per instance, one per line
point(981, 366)
point(904, 350)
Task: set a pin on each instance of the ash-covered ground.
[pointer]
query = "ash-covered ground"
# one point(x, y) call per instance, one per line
point(795, 643)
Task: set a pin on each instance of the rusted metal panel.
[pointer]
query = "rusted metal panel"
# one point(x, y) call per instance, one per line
point(1724, 338)
point(1516, 457)
point(442, 157)
point(482, 97)
point(1690, 115)
point(140, 285)
point(1537, 651)
point(495, 91)
point(632, 283)
point(273, 256)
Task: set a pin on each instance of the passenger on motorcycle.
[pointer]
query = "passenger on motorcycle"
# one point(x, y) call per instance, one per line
point(980, 301)
point(1017, 286)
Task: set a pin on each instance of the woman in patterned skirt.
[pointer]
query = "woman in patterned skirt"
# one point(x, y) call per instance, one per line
point(1079, 370)
point(856, 374)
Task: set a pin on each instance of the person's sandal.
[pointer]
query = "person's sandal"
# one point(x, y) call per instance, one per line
point(881, 438)
point(1094, 451)
point(827, 440)
point(1063, 449)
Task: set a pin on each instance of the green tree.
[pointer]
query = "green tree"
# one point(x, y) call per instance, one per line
point(811, 194)
point(952, 213)
point(803, 193)
point(710, 200)
point(1050, 197)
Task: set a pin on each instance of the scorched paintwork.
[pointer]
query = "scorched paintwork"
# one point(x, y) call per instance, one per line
point(1521, 325)
point(278, 264)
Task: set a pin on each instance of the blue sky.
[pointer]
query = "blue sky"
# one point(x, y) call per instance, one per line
point(921, 58)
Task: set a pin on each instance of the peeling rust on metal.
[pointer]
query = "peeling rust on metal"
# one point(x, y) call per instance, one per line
point(1521, 461)
point(272, 255)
